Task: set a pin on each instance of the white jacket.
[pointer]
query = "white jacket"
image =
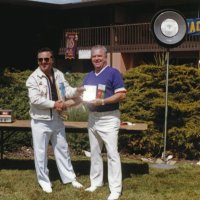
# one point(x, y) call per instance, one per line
point(39, 92)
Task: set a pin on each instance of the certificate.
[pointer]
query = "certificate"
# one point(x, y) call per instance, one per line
point(90, 92)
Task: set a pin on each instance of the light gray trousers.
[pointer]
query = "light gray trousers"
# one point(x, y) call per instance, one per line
point(42, 133)
point(103, 128)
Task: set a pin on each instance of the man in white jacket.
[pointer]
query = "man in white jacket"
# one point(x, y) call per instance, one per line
point(48, 93)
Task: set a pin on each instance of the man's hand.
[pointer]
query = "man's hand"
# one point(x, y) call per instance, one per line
point(80, 90)
point(72, 102)
point(68, 103)
point(96, 102)
point(59, 105)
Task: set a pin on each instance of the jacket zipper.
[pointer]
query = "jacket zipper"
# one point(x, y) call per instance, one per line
point(50, 95)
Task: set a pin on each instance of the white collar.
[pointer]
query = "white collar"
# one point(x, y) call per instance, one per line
point(97, 74)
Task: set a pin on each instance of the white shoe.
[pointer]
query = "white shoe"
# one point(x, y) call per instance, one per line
point(91, 189)
point(47, 189)
point(76, 184)
point(114, 196)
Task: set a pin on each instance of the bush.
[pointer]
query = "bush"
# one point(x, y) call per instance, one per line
point(145, 102)
point(14, 96)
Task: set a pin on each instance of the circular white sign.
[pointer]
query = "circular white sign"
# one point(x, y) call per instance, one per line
point(169, 27)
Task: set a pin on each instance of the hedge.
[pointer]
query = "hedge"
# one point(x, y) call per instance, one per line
point(145, 102)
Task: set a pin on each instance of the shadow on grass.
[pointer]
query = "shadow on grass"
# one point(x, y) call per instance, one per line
point(16, 164)
point(81, 167)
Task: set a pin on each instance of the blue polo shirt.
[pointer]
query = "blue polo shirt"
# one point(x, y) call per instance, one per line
point(108, 82)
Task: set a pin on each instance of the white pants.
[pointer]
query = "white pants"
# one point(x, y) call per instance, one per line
point(103, 127)
point(42, 133)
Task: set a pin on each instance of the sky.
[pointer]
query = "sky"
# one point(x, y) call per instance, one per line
point(59, 1)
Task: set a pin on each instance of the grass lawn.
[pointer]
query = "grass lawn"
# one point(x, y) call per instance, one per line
point(140, 182)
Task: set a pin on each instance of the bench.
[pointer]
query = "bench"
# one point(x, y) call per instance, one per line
point(71, 127)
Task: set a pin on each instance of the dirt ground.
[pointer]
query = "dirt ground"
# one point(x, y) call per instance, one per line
point(27, 153)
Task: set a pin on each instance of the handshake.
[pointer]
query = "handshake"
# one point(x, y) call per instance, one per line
point(63, 105)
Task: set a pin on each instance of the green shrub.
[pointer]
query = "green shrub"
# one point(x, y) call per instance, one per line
point(145, 102)
point(13, 93)
point(14, 96)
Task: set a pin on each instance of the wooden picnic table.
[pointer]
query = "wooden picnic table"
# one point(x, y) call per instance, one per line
point(71, 127)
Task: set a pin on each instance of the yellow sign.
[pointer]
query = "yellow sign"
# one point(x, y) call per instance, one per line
point(194, 26)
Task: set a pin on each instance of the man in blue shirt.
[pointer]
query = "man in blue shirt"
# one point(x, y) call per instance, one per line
point(104, 121)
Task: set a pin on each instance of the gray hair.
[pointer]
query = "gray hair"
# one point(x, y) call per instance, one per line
point(102, 47)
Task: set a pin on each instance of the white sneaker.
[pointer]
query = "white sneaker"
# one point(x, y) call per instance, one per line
point(47, 189)
point(114, 196)
point(91, 189)
point(76, 184)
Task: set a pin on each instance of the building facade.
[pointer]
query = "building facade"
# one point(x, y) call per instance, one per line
point(123, 26)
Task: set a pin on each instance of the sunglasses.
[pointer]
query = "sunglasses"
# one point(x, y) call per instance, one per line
point(45, 59)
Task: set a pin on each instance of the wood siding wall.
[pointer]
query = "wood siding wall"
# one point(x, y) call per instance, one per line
point(125, 38)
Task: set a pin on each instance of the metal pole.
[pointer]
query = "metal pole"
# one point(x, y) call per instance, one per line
point(111, 45)
point(166, 106)
point(2, 141)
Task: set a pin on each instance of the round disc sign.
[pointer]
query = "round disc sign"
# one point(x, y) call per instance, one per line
point(169, 28)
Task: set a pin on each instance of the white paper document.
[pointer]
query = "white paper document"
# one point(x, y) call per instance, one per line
point(90, 92)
